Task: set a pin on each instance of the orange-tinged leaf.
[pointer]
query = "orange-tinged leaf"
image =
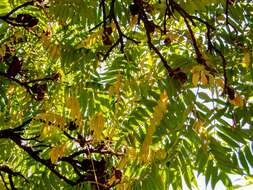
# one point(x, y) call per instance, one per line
point(204, 79)
point(237, 101)
point(134, 20)
point(57, 152)
point(111, 181)
point(220, 83)
point(164, 97)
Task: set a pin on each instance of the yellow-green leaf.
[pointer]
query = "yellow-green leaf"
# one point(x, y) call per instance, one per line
point(97, 123)
point(195, 78)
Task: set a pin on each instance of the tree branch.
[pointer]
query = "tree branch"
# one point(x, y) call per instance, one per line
point(7, 17)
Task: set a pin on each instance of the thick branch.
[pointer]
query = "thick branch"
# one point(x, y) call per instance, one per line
point(19, 7)
point(112, 17)
point(14, 80)
point(16, 138)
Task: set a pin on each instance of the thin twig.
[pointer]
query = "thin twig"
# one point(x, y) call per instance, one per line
point(5, 183)
point(11, 182)
point(110, 49)
point(149, 41)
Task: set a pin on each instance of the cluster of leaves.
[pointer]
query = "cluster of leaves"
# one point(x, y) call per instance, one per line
point(127, 94)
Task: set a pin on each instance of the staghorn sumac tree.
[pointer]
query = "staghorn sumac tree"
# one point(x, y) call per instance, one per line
point(127, 94)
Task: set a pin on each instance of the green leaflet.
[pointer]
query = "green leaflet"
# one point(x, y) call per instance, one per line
point(4, 7)
point(243, 161)
point(248, 155)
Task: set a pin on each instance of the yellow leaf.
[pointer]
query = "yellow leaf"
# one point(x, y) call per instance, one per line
point(210, 79)
point(124, 186)
point(46, 131)
point(159, 110)
point(51, 119)
point(195, 78)
point(2, 51)
point(160, 154)
point(145, 151)
point(155, 120)
point(57, 152)
point(10, 90)
point(134, 20)
point(114, 28)
point(199, 74)
point(74, 106)
point(150, 60)
point(46, 38)
point(55, 51)
point(132, 153)
point(129, 156)
point(75, 111)
point(115, 89)
point(198, 126)
point(164, 98)
point(246, 58)
point(97, 123)
point(91, 40)
point(18, 36)
point(198, 68)
point(123, 162)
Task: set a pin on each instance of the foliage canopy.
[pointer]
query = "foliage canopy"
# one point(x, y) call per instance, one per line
point(126, 94)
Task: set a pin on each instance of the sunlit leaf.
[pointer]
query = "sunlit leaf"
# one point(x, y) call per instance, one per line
point(97, 123)
point(246, 58)
point(57, 152)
